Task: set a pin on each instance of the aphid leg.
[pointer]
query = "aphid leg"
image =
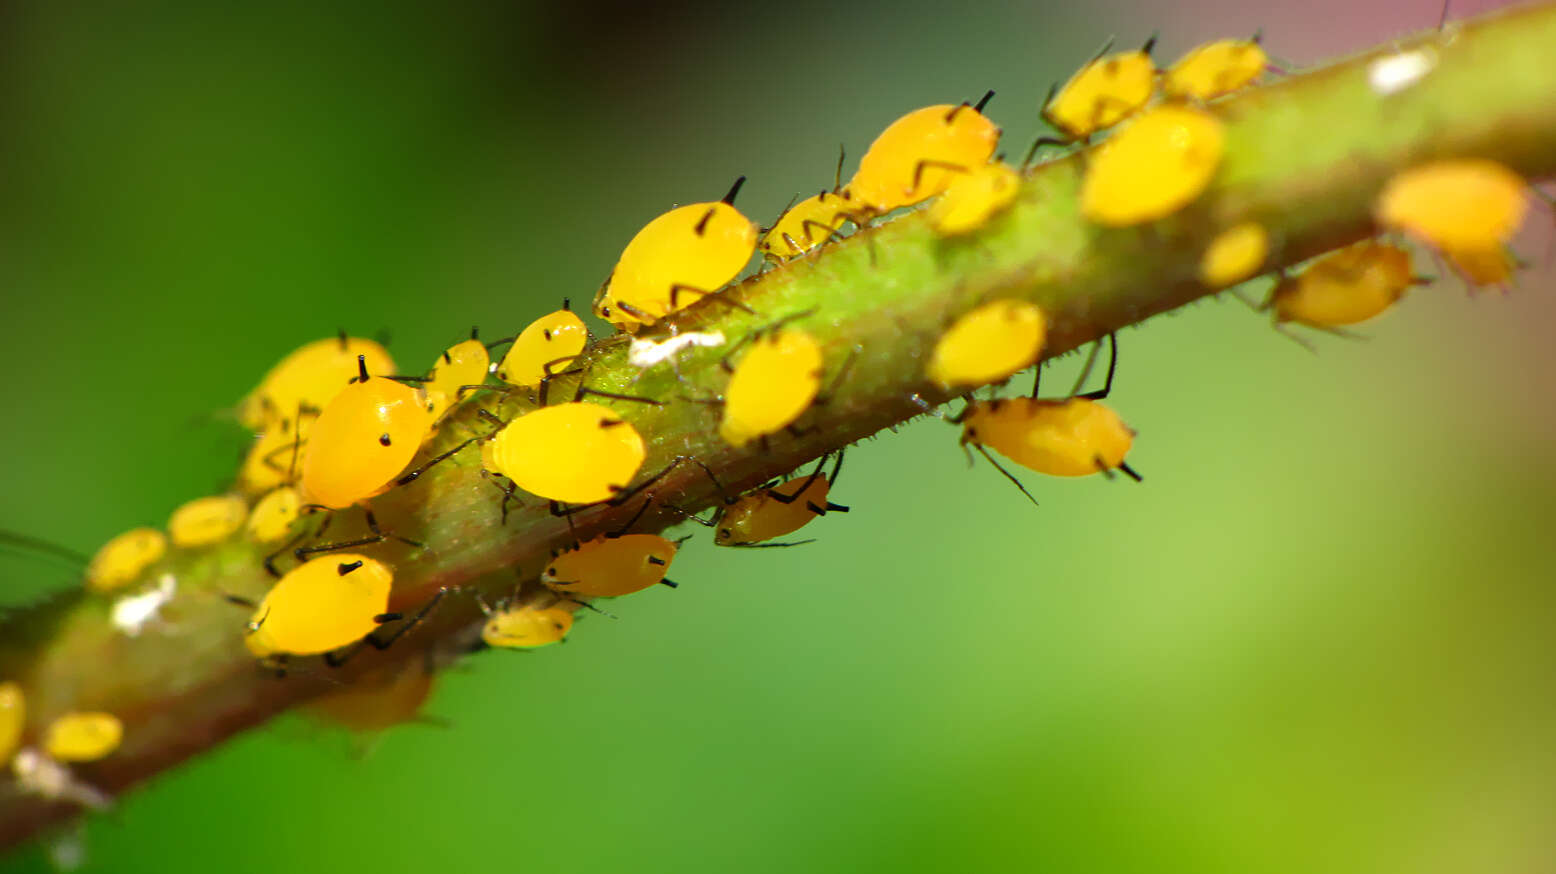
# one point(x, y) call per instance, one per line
point(412, 476)
point(828, 232)
point(1007, 474)
point(825, 397)
point(690, 517)
point(630, 522)
point(585, 390)
point(1107, 385)
point(719, 487)
point(625, 494)
point(239, 600)
point(507, 492)
point(677, 288)
point(377, 536)
point(1041, 142)
point(1286, 332)
point(772, 544)
point(926, 163)
point(338, 657)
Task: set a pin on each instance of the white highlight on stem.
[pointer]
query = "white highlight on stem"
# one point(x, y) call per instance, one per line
point(1395, 73)
point(42, 776)
point(646, 353)
point(132, 612)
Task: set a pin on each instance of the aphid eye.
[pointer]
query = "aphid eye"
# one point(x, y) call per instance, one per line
point(383, 439)
point(347, 567)
point(605, 312)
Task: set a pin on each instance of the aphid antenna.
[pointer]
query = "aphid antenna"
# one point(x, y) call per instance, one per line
point(43, 547)
point(690, 517)
point(837, 176)
point(586, 605)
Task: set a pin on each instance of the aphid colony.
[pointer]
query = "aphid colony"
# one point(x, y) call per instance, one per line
point(336, 426)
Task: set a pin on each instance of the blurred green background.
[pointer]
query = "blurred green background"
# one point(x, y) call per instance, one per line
point(1316, 638)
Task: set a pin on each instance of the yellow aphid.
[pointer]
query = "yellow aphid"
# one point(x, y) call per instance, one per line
point(675, 260)
point(363, 439)
point(546, 347)
point(610, 566)
point(378, 700)
point(577, 453)
point(13, 718)
point(975, 197)
point(321, 605)
point(1234, 255)
point(1491, 267)
point(205, 521)
point(272, 517)
point(1073, 437)
point(808, 224)
point(771, 512)
point(1152, 167)
point(989, 344)
point(921, 153)
point(82, 737)
point(275, 456)
point(1345, 287)
point(774, 383)
point(526, 627)
point(1215, 68)
point(464, 363)
point(1462, 205)
point(1103, 93)
point(308, 378)
point(122, 559)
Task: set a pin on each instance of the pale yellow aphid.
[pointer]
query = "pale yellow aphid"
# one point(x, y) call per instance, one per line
point(13, 718)
point(1491, 267)
point(1153, 167)
point(1072, 437)
point(975, 197)
point(1344, 287)
point(1460, 205)
point(272, 517)
point(1103, 93)
point(378, 700)
point(464, 363)
point(526, 627)
point(321, 605)
point(82, 737)
point(576, 452)
point(276, 455)
point(676, 260)
point(308, 378)
point(1215, 68)
point(545, 348)
point(122, 559)
point(989, 344)
point(774, 383)
point(1234, 255)
point(205, 521)
point(919, 154)
point(808, 224)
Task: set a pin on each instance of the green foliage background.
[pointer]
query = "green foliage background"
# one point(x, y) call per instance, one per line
point(1316, 638)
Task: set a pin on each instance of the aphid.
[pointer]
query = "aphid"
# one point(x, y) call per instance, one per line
point(677, 259)
point(975, 197)
point(13, 718)
point(122, 559)
point(40, 775)
point(1074, 436)
point(1458, 205)
point(757, 518)
point(378, 700)
point(1153, 166)
point(576, 452)
point(545, 348)
point(204, 521)
point(611, 565)
point(774, 383)
point(1208, 71)
point(811, 222)
point(309, 378)
point(1234, 255)
point(324, 605)
point(272, 517)
point(988, 344)
point(82, 737)
point(919, 154)
point(272, 459)
point(1491, 267)
point(525, 627)
point(363, 440)
point(1104, 92)
point(464, 363)
point(1351, 285)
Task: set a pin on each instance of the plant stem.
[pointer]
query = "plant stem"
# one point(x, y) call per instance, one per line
point(1306, 156)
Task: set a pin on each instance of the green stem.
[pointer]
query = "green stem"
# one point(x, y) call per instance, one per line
point(1305, 156)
